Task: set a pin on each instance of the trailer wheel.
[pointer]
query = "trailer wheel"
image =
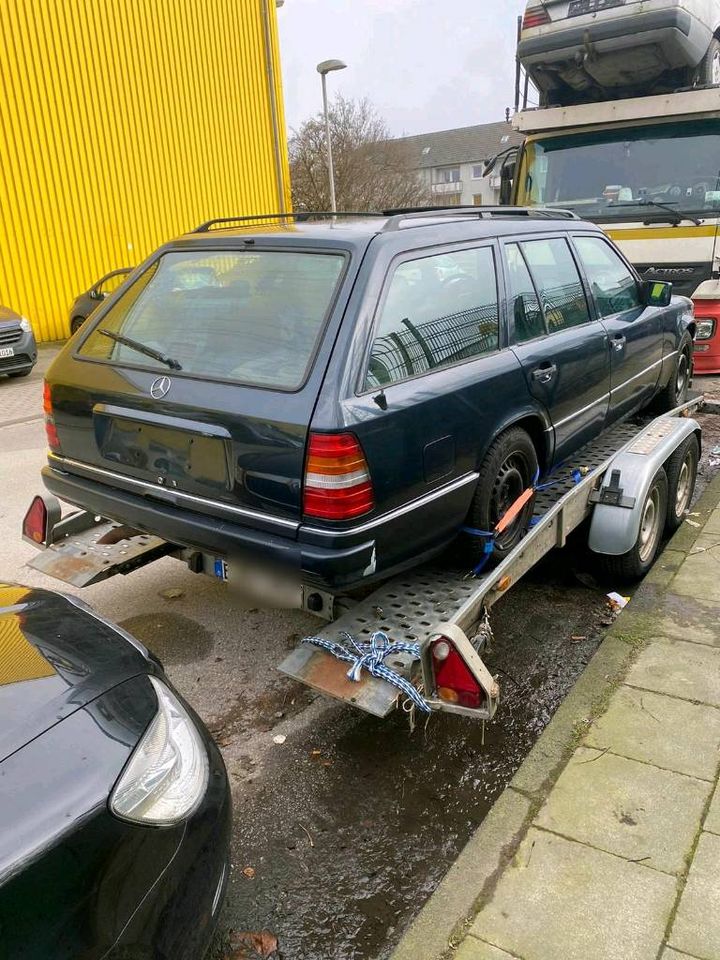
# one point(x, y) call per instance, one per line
point(676, 392)
point(637, 562)
point(508, 469)
point(681, 470)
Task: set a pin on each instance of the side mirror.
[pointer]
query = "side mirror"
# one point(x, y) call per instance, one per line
point(96, 294)
point(657, 293)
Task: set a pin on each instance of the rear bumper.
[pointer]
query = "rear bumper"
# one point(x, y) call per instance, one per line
point(676, 30)
point(322, 557)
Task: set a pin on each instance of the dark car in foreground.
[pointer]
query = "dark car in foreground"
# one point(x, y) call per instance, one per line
point(343, 397)
point(84, 304)
point(18, 350)
point(114, 801)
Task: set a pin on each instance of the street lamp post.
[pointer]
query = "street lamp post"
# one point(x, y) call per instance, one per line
point(324, 68)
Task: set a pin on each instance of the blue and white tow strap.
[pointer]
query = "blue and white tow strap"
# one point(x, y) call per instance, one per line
point(370, 656)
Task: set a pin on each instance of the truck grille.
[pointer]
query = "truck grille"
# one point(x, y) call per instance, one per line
point(10, 335)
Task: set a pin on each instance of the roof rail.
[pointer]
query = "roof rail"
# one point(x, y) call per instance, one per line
point(301, 215)
point(397, 218)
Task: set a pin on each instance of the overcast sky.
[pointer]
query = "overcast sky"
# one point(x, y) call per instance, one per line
point(425, 64)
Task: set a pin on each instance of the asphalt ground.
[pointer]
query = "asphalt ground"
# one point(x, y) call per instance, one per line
point(344, 829)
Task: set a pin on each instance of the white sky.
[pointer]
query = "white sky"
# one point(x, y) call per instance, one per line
point(425, 64)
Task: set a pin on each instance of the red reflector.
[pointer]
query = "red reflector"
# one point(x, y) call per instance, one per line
point(454, 681)
point(35, 522)
point(50, 429)
point(337, 479)
point(535, 17)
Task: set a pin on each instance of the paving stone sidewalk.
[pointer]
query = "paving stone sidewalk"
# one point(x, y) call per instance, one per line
point(613, 853)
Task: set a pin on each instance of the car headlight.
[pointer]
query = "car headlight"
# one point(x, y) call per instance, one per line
point(167, 775)
point(25, 325)
point(705, 329)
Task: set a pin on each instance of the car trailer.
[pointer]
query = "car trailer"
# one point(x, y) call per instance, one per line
point(417, 640)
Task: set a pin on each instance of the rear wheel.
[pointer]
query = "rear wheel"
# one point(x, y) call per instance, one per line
point(681, 469)
point(709, 69)
point(678, 387)
point(508, 469)
point(636, 562)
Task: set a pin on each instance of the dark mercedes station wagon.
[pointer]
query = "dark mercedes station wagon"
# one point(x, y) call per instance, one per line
point(346, 394)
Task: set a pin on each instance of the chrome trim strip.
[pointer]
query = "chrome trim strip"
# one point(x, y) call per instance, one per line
point(643, 372)
point(397, 512)
point(605, 396)
point(173, 496)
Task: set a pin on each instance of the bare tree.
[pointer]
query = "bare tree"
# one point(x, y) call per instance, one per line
point(372, 171)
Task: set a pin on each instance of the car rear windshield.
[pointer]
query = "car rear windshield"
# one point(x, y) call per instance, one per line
point(250, 317)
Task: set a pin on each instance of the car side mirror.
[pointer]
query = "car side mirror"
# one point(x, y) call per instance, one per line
point(657, 293)
point(96, 295)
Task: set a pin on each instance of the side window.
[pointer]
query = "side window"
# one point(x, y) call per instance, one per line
point(438, 311)
point(111, 284)
point(613, 286)
point(524, 304)
point(558, 283)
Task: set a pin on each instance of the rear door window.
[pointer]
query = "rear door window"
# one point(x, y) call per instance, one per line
point(524, 303)
point(556, 276)
point(613, 286)
point(437, 311)
point(249, 317)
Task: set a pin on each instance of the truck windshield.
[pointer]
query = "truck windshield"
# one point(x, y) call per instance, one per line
point(250, 317)
point(617, 174)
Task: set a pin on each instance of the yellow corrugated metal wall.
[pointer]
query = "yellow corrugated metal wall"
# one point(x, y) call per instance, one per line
point(122, 124)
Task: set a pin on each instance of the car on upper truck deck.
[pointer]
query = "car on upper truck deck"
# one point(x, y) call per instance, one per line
point(579, 50)
point(343, 397)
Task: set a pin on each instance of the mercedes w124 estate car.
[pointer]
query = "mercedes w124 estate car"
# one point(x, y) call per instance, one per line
point(344, 396)
point(115, 804)
point(577, 50)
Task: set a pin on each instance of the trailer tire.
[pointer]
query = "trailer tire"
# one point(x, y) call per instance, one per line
point(681, 470)
point(634, 564)
point(678, 387)
point(508, 469)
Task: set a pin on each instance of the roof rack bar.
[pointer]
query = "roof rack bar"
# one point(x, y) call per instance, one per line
point(301, 215)
point(396, 219)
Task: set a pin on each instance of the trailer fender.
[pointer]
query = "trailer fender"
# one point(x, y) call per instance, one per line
point(615, 524)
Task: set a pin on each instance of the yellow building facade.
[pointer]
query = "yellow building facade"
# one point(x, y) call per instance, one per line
point(124, 123)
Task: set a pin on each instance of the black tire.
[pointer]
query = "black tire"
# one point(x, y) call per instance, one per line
point(678, 386)
point(508, 469)
point(20, 373)
point(709, 70)
point(76, 323)
point(681, 470)
point(634, 564)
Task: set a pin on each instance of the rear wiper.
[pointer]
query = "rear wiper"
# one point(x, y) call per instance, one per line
point(678, 215)
point(141, 348)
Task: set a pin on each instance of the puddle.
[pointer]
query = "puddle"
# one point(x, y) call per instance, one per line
point(173, 638)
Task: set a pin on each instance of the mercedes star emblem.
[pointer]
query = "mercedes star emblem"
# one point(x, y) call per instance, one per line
point(160, 388)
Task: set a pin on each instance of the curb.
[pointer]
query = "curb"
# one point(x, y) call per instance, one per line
point(469, 883)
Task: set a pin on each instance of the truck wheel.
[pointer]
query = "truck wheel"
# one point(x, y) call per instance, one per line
point(709, 69)
point(678, 387)
point(508, 469)
point(635, 563)
point(681, 470)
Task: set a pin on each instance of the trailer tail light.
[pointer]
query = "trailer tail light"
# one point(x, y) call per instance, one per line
point(454, 681)
point(50, 429)
point(535, 17)
point(337, 479)
point(35, 524)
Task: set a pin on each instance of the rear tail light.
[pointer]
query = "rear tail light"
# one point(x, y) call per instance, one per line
point(455, 683)
point(536, 16)
point(34, 526)
point(337, 479)
point(50, 429)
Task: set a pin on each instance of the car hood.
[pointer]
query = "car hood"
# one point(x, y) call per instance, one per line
point(56, 656)
point(7, 315)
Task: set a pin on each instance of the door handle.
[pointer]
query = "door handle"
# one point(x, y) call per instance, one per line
point(545, 373)
point(618, 343)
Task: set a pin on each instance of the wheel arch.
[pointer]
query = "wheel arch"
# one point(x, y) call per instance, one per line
point(538, 429)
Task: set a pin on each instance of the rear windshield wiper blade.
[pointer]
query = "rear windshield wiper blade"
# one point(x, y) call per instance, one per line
point(141, 348)
point(678, 215)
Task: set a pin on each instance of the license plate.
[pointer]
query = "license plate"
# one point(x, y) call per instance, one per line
point(6, 352)
point(578, 7)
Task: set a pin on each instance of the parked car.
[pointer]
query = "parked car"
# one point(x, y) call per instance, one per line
point(349, 395)
point(114, 805)
point(603, 48)
point(18, 350)
point(84, 305)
